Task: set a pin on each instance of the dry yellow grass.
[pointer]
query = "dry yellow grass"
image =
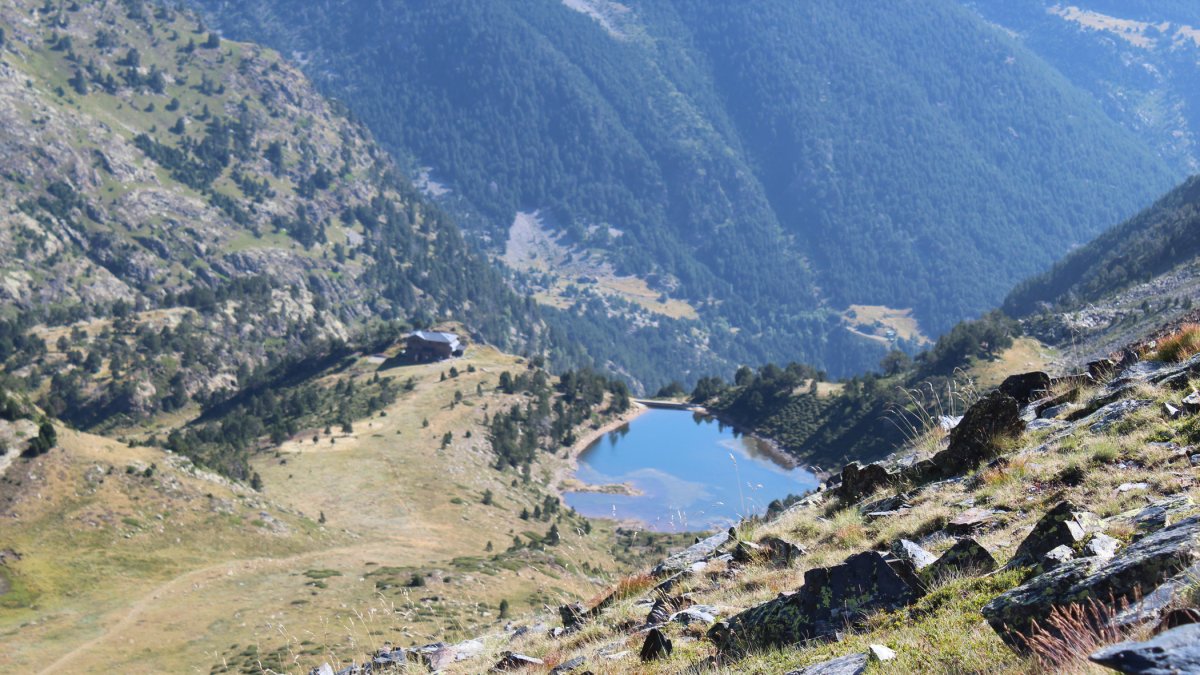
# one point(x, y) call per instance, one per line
point(214, 576)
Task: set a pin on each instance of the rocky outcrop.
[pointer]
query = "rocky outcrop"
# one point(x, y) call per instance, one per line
point(1026, 387)
point(830, 598)
point(1175, 651)
point(973, 441)
point(1136, 571)
point(1065, 524)
point(859, 481)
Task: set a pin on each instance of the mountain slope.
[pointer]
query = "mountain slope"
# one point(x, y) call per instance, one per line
point(181, 211)
point(769, 164)
point(1149, 245)
point(1137, 59)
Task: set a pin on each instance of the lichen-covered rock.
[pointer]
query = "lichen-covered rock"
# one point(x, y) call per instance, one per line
point(966, 556)
point(1065, 524)
point(1101, 545)
point(830, 598)
point(1138, 570)
point(1175, 651)
point(1026, 387)
point(1057, 556)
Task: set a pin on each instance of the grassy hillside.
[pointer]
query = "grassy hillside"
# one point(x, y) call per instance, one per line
point(382, 531)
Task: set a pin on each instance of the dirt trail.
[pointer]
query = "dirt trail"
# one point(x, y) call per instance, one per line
point(130, 614)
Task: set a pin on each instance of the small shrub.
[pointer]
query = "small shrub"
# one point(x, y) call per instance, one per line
point(1181, 345)
point(1073, 475)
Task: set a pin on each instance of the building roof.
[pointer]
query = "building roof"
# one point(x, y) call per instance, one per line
point(434, 336)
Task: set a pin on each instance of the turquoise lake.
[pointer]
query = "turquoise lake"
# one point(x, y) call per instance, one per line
point(694, 472)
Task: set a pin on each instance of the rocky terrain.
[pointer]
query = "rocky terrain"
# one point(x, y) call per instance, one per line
point(1053, 529)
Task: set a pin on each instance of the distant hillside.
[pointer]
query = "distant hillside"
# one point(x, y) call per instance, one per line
point(1137, 58)
point(1153, 243)
point(766, 164)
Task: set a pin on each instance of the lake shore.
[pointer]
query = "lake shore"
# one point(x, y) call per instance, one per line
point(564, 479)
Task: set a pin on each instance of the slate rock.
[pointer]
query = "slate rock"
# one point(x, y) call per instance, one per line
point(1170, 653)
point(912, 553)
point(1057, 556)
point(1156, 515)
point(515, 661)
point(1137, 570)
point(780, 552)
point(880, 653)
point(698, 552)
point(569, 666)
point(705, 614)
point(1107, 417)
point(853, 664)
point(1026, 387)
point(970, 520)
point(829, 599)
point(323, 669)
point(1191, 403)
point(1065, 524)
point(657, 646)
point(1054, 411)
point(887, 504)
point(858, 481)
point(966, 556)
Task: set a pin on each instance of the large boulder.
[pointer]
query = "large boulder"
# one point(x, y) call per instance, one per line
point(974, 440)
point(1175, 651)
point(858, 481)
point(830, 598)
point(1136, 571)
point(1063, 525)
point(1026, 387)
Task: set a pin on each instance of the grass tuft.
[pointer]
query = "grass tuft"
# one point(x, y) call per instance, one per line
point(1180, 345)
